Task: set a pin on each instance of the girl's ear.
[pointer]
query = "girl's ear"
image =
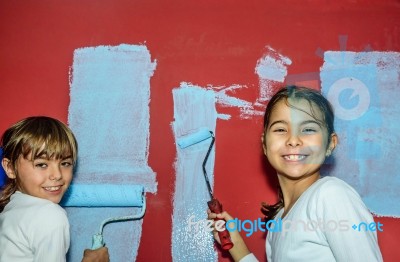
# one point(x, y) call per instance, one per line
point(263, 143)
point(8, 168)
point(332, 144)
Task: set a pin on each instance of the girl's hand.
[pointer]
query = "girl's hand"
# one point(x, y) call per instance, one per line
point(98, 255)
point(239, 249)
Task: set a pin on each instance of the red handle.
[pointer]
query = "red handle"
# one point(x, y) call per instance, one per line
point(216, 207)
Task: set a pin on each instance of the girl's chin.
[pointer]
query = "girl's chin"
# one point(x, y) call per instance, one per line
point(53, 197)
point(298, 176)
point(55, 201)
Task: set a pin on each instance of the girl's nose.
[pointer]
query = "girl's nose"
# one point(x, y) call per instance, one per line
point(294, 140)
point(56, 173)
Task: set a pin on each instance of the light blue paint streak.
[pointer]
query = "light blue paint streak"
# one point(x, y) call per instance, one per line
point(271, 68)
point(109, 114)
point(366, 156)
point(194, 108)
point(272, 65)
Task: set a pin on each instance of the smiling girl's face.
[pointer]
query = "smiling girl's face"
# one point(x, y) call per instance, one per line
point(42, 177)
point(295, 139)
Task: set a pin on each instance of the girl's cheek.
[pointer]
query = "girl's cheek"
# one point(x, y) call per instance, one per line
point(274, 144)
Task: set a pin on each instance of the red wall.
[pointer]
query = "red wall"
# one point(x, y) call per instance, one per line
point(202, 42)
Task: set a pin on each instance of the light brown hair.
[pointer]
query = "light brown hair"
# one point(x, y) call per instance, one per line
point(36, 136)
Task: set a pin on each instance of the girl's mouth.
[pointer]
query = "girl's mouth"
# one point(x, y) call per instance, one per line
point(52, 188)
point(294, 157)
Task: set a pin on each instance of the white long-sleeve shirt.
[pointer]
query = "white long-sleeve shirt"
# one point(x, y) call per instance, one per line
point(322, 221)
point(33, 229)
point(319, 227)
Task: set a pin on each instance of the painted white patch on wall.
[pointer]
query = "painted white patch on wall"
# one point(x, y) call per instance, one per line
point(225, 100)
point(194, 108)
point(364, 90)
point(271, 68)
point(109, 114)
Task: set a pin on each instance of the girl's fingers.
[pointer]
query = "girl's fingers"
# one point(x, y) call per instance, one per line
point(211, 215)
point(224, 215)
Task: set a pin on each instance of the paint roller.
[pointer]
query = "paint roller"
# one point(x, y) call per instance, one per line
point(214, 205)
point(100, 195)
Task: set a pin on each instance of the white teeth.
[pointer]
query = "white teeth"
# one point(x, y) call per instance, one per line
point(294, 157)
point(52, 188)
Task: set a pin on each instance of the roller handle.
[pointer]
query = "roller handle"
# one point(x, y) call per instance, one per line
point(216, 207)
point(97, 241)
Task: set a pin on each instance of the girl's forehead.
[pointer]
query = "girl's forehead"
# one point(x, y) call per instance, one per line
point(46, 150)
point(297, 109)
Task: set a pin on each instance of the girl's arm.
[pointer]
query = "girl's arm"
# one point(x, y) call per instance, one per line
point(239, 251)
point(49, 233)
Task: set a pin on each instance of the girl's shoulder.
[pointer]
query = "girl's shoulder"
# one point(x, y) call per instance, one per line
point(329, 185)
point(38, 209)
point(34, 217)
point(332, 194)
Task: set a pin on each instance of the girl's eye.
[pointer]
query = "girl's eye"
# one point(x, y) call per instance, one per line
point(279, 130)
point(66, 164)
point(41, 165)
point(309, 130)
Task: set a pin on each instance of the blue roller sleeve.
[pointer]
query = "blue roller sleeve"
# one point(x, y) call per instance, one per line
point(197, 137)
point(2, 172)
point(103, 195)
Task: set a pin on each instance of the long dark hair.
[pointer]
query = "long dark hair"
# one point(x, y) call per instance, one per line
point(314, 98)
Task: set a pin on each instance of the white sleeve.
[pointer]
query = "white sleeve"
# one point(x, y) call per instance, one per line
point(340, 203)
point(249, 258)
point(268, 248)
point(51, 240)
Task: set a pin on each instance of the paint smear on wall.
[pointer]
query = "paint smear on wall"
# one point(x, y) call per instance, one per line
point(271, 69)
point(195, 108)
point(109, 114)
point(226, 100)
point(191, 243)
point(364, 90)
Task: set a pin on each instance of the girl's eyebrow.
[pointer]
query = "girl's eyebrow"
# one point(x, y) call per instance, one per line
point(41, 156)
point(278, 122)
point(311, 122)
point(302, 123)
point(45, 157)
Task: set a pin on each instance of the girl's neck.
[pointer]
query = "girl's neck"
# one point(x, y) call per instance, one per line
point(293, 189)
